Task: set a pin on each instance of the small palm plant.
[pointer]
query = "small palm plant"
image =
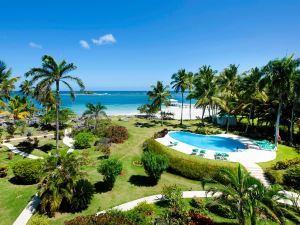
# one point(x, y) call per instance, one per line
point(95, 110)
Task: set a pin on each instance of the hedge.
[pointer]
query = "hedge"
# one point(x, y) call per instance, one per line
point(192, 167)
point(27, 171)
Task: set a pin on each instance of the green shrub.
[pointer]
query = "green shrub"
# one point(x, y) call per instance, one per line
point(27, 171)
point(82, 196)
point(117, 134)
point(3, 170)
point(38, 219)
point(197, 203)
point(103, 219)
point(292, 177)
point(275, 176)
point(83, 140)
point(154, 165)
point(282, 165)
point(186, 165)
point(136, 217)
point(220, 210)
point(104, 148)
point(208, 131)
point(110, 169)
point(145, 208)
point(11, 129)
point(101, 127)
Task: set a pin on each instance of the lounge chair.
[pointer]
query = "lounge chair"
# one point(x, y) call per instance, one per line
point(195, 151)
point(173, 143)
point(202, 153)
point(221, 156)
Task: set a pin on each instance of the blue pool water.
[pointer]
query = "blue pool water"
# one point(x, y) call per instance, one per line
point(219, 144)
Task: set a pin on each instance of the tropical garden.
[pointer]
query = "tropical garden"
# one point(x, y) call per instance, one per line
point(116, 160)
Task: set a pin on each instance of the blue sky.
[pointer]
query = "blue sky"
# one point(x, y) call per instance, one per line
point(132, 44)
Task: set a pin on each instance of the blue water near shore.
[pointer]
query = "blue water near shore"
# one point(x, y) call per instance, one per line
point(117, 102)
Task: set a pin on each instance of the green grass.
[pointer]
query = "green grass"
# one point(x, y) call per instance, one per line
point(13, 197)
point(283, 153)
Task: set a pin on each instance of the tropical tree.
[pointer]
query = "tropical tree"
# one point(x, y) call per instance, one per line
point(95, 110)
point(277, 76)
point(26, 88)
point(246, 196)
point(179, 84)
point(189, 85)
point(18, 107)
point(53, 73)
point(7, 83)
point(295, 93)
point(205, 88)
point(58, 184)
point(159, 96)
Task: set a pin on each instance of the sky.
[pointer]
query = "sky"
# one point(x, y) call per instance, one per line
point(129, 45)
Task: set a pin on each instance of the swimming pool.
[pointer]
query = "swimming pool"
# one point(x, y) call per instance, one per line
point(216, 143)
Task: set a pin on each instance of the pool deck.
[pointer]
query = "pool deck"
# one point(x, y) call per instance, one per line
point(252, 154)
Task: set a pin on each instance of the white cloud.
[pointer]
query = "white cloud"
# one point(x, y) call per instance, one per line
point(35, 45)
point(84, 44)
point(105, 39)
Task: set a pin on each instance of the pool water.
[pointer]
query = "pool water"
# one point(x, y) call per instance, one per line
point(216, 143)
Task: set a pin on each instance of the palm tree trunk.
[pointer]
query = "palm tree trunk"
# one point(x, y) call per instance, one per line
point(278, 121)
point(292, 119)
point(181, 107)
point(190, 109)
point(161, 116)
point(227, 125)
point(248, 122)
point(57, 114)
point(203, 112)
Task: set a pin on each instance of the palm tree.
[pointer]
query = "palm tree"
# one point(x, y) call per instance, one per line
point(189, 84)
point(205, 88)
point(53, 73)
point(159, 96)
point(18, 107)
point(277, 75)
point(26, 88)
point(95, 110)
point(7, 83)
point(295, 93)
point(57, 185)
point(180, 84)
point(245, 195)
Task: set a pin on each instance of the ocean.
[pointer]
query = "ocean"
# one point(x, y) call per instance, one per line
point(117, 102)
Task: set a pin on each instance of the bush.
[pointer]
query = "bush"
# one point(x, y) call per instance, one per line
point(136, 217)
point(101, 127)
point(220, 210)
point(104, 148)
point(208, 131)
point(199, 219)
point(47, 147)
point(82, 196)
point(292, 177)
point(275, 176)
point(117, 134)
point(38, 219)
point(103, 219)
point(161, 134)
point(11, 129)
point(110, 169)
point(189, 166)
point(145, 209)
point(3, 170)
point(83, 140)
point(282, 165)
point(197, 203)
point(27, 171)
point(154, 165)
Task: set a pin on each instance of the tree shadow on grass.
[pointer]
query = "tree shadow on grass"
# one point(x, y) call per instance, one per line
point(101, 187)
point(140, 180)
point(15, 181)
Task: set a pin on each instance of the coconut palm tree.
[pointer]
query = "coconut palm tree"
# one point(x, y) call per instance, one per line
point(26, 88)
point(205, 88)
point(53, 73)
point(189, 84)
point(295, 93)
point(180, 85)
point(95, 110)
point(159, 96)
point(277, 76)
point(246, 196)
point(7, 83)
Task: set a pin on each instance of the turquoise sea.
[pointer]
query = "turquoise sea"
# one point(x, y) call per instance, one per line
point(117, 102)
